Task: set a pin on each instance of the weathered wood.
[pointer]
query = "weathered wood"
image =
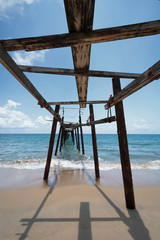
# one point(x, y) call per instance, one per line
point(83, 37)
point(153, 73)
point(78, 142)
point(71, 72)
point(123, 146)
point(72, 135)
point(80, 18)
point(100, 121)
point(12, 67)
point(51, 144)
point(78, 102)
point(62, 139)
point(82, 142)
point(59, 135)
point(94, 142)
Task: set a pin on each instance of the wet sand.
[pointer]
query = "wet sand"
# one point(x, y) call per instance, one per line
point(73, 206)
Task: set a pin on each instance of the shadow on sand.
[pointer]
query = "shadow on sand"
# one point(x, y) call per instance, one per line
point(136, 227)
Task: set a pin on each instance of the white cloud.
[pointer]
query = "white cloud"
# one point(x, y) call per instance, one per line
point(28, 58)
point(7, 5)
point(11, 118)
point(12, 104)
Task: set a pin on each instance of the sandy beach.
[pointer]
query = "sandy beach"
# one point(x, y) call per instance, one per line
point(73, 206)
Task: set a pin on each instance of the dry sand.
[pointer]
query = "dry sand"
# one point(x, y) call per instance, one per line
point(73, 206)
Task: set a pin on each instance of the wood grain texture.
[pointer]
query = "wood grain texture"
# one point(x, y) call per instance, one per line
point(72, 72)
point(78, 102)
point(80, 18)
point(83, 37)
point(123, 147)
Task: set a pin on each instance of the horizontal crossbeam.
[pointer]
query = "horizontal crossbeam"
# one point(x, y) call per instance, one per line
point(78, 102)
point(100, 121)
point(71, 72)
point(80, 38)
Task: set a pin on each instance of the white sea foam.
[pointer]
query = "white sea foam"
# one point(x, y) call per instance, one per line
point(104, 165)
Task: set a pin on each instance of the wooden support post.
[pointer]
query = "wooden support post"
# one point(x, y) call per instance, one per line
point(72, 135)
point(50, 150)
point(123, 146)
point(80, 121)
point(60, 130)
point(94, 142)
point(78, 142)
point(62, 136)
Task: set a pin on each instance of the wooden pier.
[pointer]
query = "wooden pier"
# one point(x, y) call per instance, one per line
point(80, 37)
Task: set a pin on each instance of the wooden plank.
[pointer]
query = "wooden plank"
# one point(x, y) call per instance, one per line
point(78, 102)
point(51, 144)
point(94, 142)
point(12, 67)
point(72, 72)
point(123, 146)
point(84, 37)
point(80, 18)
point(153, 73)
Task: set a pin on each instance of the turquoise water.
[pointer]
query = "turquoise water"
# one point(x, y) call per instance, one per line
point(30, 151)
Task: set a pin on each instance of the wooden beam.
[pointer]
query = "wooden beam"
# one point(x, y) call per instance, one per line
point(100, 121)
point(83, 37)
point(123, 146)
point(78, 102)
point(94, 142)
point(80, 18)
point(153, 73)
point(12, 67)
point(72, 72)
point(51, 144)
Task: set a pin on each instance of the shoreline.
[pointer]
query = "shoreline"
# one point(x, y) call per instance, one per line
point(11, 178)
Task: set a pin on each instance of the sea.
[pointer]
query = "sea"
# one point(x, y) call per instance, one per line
point(29, 151)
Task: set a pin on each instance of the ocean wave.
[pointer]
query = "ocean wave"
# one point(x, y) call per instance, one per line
point(104, 165)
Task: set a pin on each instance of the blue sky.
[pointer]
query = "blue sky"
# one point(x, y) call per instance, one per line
point(19, 112)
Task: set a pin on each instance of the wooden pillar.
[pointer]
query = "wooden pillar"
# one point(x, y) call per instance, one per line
point(123, 146)
point(72, 135)
point(60, 130)
point(94, 142)
point(78, 142)
point(80, 121)
point(51, 143)
point(62, 136)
